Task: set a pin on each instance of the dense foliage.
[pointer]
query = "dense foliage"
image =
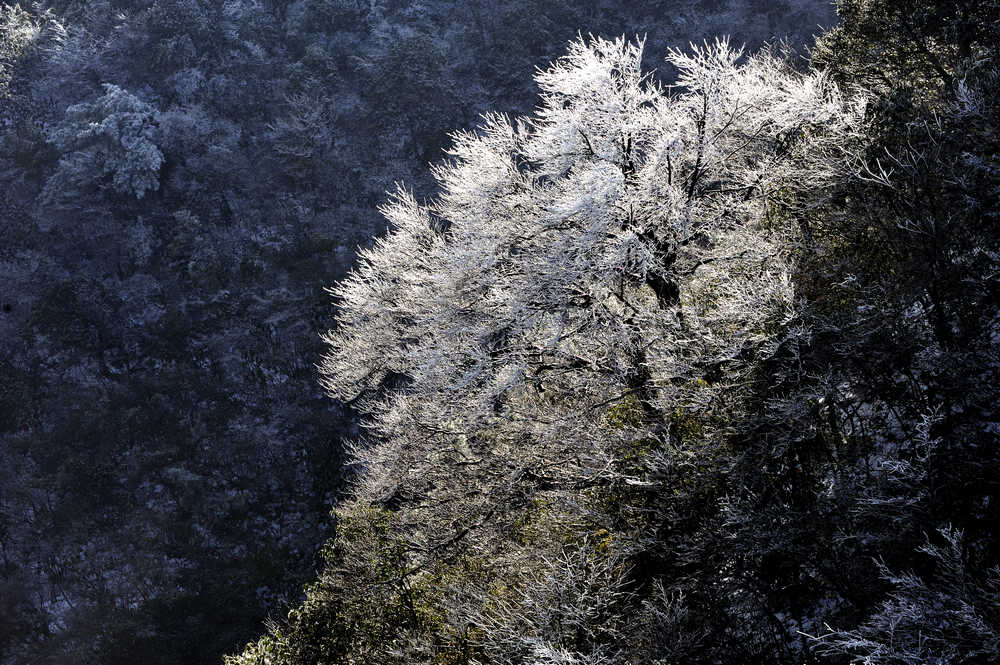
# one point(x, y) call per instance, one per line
point(698, 374)
point(178, 180)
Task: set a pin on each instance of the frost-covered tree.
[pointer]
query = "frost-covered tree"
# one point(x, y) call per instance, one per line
point(578, 313)
point(112, 138)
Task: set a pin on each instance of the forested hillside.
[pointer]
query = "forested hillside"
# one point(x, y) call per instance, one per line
point(704, 372)
point(179, 179)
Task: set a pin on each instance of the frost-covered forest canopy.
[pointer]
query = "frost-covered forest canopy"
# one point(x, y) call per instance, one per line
point(683, 348)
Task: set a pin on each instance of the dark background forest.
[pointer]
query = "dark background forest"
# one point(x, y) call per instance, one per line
point(179, 181)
